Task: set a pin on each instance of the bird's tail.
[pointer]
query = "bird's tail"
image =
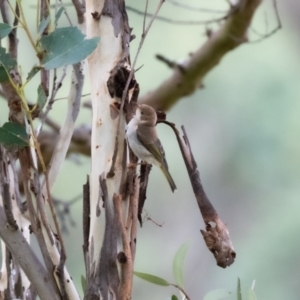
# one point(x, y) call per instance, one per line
point(169, 178)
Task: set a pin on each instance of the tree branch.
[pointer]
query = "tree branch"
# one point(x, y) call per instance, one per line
point(217, 235)
point(27, 259)
point(67, 129)
point(80, 10)
point(185, 81)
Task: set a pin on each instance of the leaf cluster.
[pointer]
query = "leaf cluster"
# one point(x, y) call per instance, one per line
point(61, 47)
point(178, 263)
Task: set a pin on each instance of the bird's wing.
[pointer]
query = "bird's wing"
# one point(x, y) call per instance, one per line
point(154, 146)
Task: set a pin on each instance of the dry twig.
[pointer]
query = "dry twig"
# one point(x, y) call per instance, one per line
point(216, 235)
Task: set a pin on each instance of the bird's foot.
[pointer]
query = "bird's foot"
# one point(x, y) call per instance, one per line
point(134, 165)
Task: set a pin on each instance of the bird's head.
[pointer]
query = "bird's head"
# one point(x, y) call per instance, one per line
point(146, 115)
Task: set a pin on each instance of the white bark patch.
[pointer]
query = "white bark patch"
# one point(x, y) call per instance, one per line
point(104, 129)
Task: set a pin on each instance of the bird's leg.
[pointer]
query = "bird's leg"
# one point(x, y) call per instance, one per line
point(134, 165)
point(131, 165)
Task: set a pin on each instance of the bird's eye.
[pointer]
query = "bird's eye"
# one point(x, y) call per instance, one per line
point(142, 112)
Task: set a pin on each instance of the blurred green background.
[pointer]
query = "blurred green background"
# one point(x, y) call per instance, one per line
point(244, 130)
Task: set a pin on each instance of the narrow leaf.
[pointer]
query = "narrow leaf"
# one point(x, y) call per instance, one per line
point(5, 29)
point(65, 46)
point(178, 264)
point(217, 295)
point(239, 290)
point(13, 134)
point(251, 295)
point(43, 24)
point(58, 15)
point(42, 99)
point(32, 72)
point(83, 283)
point(174, 297)
point(6, 64)
point(151, 278)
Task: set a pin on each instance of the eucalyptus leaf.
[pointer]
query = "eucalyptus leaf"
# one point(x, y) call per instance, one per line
point(32, 72)
point(65, 46)
point(239, 290)
point(42, 98)
point(13, 134)
point(178, 262)
point(43, 24)
point(251, 295)
point(7, 63)
point(83, 283)
point(151, 278)
point(217, 295)
point(58, 15)
point(5, 29)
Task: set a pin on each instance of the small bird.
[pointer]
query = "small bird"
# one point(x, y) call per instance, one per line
point(143, 141)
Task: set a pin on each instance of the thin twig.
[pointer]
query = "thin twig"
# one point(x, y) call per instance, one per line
point(12, 160)
point(148, 217)
point(44, 13)
point(181, 22)
point(55, 87)
point(272, 32)
point(133, 207)
point(63, 255)
point(145, 16)
point(5, 188)
point(66, 14)
point(13, 40)
point(8, 262)
point(182, 291)
point(195, 8)
point(7, 206)
point(144, 176)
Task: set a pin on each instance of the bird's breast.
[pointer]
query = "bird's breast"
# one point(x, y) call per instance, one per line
point(136, 146)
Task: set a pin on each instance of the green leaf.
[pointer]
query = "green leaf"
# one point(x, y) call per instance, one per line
point(178, 264)
point(151, 278)
point(5, 29)
point(174, 297)
point(65, 46)
point(217, 295)
point(42, 99)
point(251, 295)
point(239, 290)
point(13, 134)
point(83, 283)
point(32, 72)
point(58, 15)
point(43, 24)
point(6, 64)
